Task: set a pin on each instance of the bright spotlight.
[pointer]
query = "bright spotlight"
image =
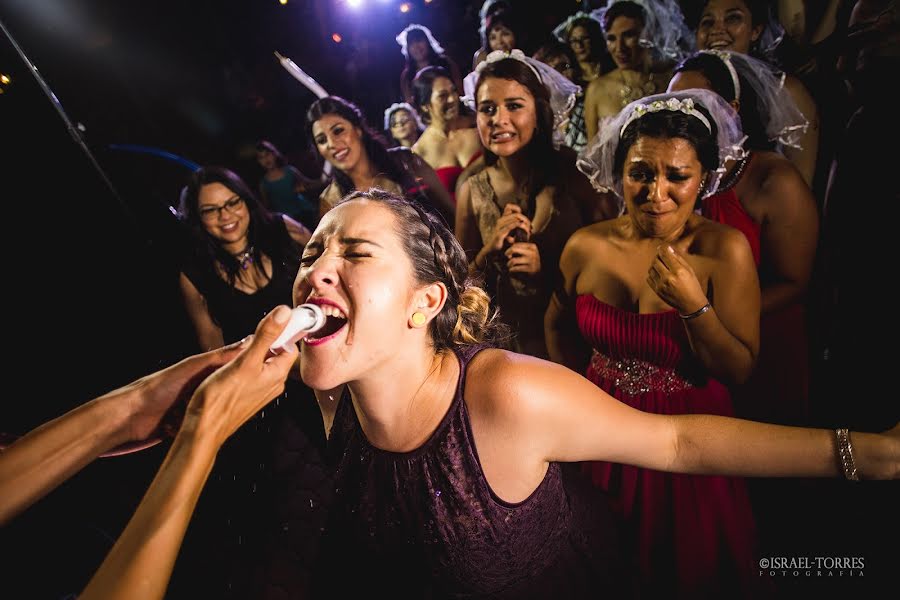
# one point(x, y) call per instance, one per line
point(354, 3)
point(336, 37)
point(4, 79)
point(404, 8)
point(282, 2)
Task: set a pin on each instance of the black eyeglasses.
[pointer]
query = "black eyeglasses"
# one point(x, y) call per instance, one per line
point(211, 213)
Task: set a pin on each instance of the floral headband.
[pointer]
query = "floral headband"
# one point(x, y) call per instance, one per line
point(498, 55)
point(685, 106)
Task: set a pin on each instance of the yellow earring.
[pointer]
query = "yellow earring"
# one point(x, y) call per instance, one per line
point(418, 319)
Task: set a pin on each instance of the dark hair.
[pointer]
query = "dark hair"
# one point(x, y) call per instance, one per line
point(599, 53)
point(375, 146)
point(541, 154)
point(504, 18)
point(759, 12)
point(267, 146)
point(666, 124)
point(260, 235)
point(437, 256)
point(422, 86)
point(719, 77)
point(434, 59)
point(629, 9)
point(498, 6)
point(555, 48)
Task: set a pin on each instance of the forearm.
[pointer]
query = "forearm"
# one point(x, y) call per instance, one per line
point(726, 446)
point(719, 351)
point(140, 563)
point(47, 456)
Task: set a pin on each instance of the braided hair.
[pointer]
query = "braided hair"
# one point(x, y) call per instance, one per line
point(437, 256)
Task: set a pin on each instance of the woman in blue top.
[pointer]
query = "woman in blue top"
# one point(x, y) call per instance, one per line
point(283, 188)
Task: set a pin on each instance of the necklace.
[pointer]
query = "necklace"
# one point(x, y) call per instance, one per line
point(644, 88)
point(735, 175)
point(245, 258)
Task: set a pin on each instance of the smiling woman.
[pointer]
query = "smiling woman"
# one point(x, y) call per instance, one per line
point(361, 159)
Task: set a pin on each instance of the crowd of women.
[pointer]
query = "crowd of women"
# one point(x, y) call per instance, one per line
point(634, 202)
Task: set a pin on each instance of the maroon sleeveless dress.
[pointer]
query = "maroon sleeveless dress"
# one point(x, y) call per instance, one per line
point(689, 535)
point(426, 524)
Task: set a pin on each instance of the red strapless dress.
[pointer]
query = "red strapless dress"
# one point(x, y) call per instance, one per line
point(689, 535)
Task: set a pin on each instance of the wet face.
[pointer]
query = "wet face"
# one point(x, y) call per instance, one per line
point(223, 213)
point(727, 25)
point(444, 105)
point(622, 43)
point(403, 126)
point(418, 49)
point(507, 116)
point(356, 269)
point(661, 180)
point(338, 141)
point(580, 42)
point(266, 159)
point(501, 38)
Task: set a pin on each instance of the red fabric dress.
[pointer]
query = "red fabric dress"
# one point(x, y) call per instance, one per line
point(778, 390)
point(691, 536)
point(449, 175)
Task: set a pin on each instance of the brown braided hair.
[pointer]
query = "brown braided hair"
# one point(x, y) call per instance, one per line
point(436, 255)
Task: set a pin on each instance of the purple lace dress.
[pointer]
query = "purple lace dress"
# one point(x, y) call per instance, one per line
point(426, 524)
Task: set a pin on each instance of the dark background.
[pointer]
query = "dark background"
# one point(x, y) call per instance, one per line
point(92, 244)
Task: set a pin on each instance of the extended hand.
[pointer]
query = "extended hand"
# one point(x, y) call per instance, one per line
point(237, 391)
point(158, 400)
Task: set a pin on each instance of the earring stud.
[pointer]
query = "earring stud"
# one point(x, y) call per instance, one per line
point(418, 319)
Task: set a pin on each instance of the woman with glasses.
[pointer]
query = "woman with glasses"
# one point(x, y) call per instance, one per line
point(243, 258)
point(561, 57)
point(241, 265)
point(583, 34)
point(403, 123)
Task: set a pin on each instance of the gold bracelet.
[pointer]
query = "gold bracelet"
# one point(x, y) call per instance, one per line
point(845, 454)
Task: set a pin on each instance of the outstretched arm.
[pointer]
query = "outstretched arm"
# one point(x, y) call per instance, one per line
point(543, 413)
point(37, 463)
point(140, 563)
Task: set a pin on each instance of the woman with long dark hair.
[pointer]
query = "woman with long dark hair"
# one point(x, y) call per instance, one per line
point(241, 266)
point(361, 159)
point(515, 215)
